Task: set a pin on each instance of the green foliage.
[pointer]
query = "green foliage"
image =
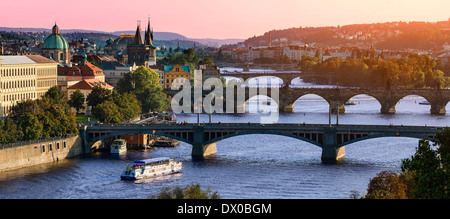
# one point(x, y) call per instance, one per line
point(107, 112)
point(31, 127)
point(117, 108)
point(424, 176)
point(192, 191)
point(33, 119)
point(412, 71)
point(97, 96)
point(144, 84)
point(429, 168)
point(77, 100)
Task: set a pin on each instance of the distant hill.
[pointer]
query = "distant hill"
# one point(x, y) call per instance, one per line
point(388, 35)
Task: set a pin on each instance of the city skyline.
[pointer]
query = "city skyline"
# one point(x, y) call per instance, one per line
point(216, 19)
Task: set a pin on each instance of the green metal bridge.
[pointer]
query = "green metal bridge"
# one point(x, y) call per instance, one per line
point(203, 137)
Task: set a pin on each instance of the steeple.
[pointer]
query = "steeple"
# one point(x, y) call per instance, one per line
point(149, 34)
point(138, 40)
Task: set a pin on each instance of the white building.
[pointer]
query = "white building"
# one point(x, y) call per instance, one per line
point(24, 77)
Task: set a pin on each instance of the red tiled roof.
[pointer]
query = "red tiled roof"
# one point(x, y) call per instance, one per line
point(89, 84)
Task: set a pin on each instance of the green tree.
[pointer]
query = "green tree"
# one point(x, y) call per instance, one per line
point(77, 100)
point(31, 126)
point(192, 191)
point(429, 168)
point(11, 131)
point(107, 112)
point(128, 105)
point(153, 99)
point(97, 96)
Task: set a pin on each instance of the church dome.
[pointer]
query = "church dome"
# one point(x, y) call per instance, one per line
point(55, 40)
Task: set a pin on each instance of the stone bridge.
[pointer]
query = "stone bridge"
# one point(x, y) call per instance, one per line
point(336, 97)
point(203, 138)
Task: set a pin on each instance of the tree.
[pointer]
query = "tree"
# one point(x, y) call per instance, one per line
point(107, 112)
point(386, 185)
point(97, 96)
point(77, 100)
point(31, 126)
point(192, 191)
point(127, 103)
point(152, 98)
point(429, 168)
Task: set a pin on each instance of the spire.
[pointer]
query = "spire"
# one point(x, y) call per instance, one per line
point(149, 34)
point(138, 36)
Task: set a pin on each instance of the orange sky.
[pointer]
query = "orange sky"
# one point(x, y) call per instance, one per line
point(215, 18)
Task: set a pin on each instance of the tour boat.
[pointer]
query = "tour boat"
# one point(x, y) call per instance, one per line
point(424, 103)
point(151, 168)
point(165, 142)
point(350, 102)
point(118, 146)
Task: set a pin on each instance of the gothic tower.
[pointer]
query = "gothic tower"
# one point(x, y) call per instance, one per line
point(142, 51)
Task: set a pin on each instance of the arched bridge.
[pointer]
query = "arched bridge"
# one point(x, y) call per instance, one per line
point(336, 97)
point(331, 139)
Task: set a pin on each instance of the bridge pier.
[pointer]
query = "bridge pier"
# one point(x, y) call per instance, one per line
point(437, 109)
point(331, 153)
point(199, 148)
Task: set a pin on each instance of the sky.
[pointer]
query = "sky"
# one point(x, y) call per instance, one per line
point(219, 19)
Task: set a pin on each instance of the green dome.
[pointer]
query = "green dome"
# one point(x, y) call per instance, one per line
point(55, 41)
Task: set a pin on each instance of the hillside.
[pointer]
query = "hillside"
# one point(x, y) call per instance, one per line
point(389, 35)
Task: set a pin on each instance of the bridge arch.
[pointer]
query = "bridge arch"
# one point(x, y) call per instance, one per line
point(412, 103)
point(303, 102)
point(362, 103)
point(259, 103)
point(116, 134)
point(363, 138)
point(265, 132)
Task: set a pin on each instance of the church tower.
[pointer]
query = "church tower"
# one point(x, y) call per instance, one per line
point(142, 51)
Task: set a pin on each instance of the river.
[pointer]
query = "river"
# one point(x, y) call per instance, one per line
point(250, 166)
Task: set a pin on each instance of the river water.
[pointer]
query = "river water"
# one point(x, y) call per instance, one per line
point(250, 166)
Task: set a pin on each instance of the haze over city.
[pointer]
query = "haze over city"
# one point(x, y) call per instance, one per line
point(215, 19)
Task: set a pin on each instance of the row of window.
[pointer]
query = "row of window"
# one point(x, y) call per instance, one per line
point(17, 97)
point(17, 84)
point(47, 71)
point(47, 83)
point(49, 147)
point(14, 72)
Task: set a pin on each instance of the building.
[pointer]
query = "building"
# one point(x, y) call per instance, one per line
point(173, 73)
point(160, 70)
point(142, 51)
point(73, 73)
point(55, 47)
point(114, 71)
point(46, 74)
point(209, 71)
point(24, 77)
point(86, 86)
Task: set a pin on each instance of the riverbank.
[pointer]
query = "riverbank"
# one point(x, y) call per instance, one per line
point(29, 153)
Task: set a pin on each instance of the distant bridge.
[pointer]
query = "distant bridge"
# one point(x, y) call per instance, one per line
point(203, 138)
point(337, 97)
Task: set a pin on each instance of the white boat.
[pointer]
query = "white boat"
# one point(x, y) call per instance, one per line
point(118, 146)
point(151, 168)
point(350, 102)
point(424, 103)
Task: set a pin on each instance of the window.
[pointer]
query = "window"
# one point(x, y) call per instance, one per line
point(50, 147)
point(64, 144)
point(57, 146)
point(43, 148)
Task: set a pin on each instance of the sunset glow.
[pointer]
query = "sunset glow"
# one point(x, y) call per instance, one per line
point(215, 18)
